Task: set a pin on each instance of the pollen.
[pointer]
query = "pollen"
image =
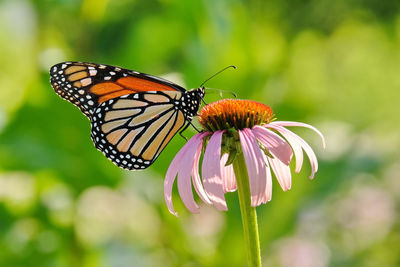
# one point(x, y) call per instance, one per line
point(234, 113)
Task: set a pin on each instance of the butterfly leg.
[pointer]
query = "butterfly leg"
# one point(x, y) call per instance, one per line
point(186, 126)
point(194, 126)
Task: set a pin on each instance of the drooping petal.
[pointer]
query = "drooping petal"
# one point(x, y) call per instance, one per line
point(175, 167)
point(282, 173)
point(197, 184)
point(300, 124)
point(297, 150)
point(211, 171)
point(300, 141)
point(278, 147)
point(255, 165)
point(268, 188)
point(185, 172)
point(228, 175)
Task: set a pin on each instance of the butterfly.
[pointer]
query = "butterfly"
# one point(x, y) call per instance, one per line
point(133, 115)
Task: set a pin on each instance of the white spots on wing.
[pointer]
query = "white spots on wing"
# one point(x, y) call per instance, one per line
point(86, 81)
point(81, 92)
point(54, 69)
point(63, 66)
point(90, 102)
point(102, 67)
point(92, 72)
point(107, 78)
point(112, 73)
point(117, 69)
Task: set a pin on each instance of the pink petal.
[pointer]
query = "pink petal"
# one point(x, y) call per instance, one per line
point(255, 165)
point(300, 124)
point(197, 184)
point(228, 175)
point(282, 173)
point(211, 171)
point(298, 152)
point(268, 188)
point(185, 172)
point(175, 168)
point(274, 143)
point(300, 141)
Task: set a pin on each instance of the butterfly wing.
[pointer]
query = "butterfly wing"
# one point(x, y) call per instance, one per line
point(87, 85)
point(132, 130)
point(133, 115)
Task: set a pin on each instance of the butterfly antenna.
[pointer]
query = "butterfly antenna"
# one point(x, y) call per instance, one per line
point(231, 66)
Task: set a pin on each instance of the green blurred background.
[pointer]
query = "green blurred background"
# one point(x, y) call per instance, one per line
point(333, 64)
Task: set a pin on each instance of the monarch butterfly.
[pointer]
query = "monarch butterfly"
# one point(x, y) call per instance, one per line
point(133, 115)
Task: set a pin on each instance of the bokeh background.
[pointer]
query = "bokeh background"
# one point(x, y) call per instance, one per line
point(333, 64)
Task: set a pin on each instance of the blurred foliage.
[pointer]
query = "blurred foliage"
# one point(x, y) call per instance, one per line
point(333, 64)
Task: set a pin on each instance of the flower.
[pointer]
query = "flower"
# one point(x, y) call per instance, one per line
point(232, 127)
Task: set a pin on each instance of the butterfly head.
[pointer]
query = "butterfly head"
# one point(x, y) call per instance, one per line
point(201, 91)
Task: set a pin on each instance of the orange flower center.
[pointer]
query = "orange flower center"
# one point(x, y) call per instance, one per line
point(234, 113)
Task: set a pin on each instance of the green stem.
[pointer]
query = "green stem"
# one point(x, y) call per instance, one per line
point(249, 215)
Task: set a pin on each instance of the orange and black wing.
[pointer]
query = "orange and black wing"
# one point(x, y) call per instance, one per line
point(133, 115)
point(132, 130)
point(87, 85)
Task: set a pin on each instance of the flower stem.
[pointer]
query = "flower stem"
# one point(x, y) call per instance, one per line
point(249, 215)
